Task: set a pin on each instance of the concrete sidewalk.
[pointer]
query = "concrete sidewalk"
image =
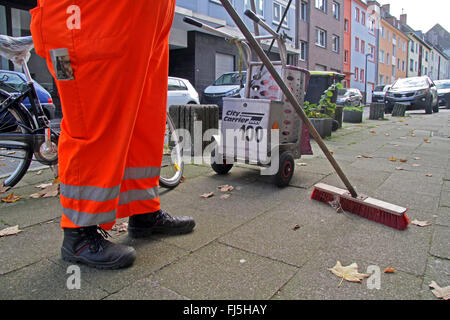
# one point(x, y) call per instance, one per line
point(246, 246)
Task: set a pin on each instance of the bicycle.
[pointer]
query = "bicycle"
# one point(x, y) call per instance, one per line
point(25, 133)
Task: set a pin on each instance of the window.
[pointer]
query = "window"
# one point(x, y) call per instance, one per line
point(321, 38)
point(382, 56)
point(394, 50)
point(403, 66)
point(321, 5)
point(357, 14)
point(383, 32)
point(389, 35)
point(398, 64)
point(372, 52)
point(363, 18)
point(362, 75)
point(346, 25)
point(303, 11)
point(388, 59)
point(356, 73)
point(363, 46)
point(356, 44)
point(381, 79)
point(336, 10)
point(412, 46)
point(411, 65)
point(303, 52)
point(372, 25)
point(426, 56)
point(415, 66)
point(346, 56)
point(259, 4)
point(278, 11)
point(336, 43)
point(426, 71)
point(393, 71)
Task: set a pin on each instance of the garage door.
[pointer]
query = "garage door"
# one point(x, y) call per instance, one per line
point(224, 64)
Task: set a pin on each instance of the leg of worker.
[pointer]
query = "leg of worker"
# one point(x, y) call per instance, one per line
point(98, 116)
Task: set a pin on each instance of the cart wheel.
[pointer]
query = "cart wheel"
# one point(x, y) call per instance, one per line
point(221, 169)
point(286, 169)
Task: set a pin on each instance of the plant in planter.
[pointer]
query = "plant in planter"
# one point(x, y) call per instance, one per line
point(322, 114)
point(353, 114)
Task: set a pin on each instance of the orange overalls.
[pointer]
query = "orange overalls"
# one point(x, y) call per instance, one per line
point(114, 111)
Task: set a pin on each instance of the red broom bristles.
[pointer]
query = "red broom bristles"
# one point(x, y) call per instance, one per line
point(399, 222)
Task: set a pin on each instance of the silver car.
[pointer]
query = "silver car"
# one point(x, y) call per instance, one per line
point(349, 97)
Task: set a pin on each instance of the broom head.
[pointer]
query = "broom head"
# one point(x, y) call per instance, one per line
point(379, 211)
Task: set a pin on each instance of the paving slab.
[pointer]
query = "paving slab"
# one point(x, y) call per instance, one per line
point(440, 243)
point(45, 280)
point(30, 246)
point(315, 282)
point(151, 255)
point(438, 270)
point(221, 272)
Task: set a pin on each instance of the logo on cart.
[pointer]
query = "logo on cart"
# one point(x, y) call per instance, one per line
point(244, 117)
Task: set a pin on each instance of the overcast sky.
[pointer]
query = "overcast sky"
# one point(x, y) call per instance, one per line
point(422, 14)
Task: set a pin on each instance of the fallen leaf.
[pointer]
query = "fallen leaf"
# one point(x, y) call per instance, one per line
point(296, 227)
point(301, 164)
point(331, 152)
point(10, 198)
point(3, 189)
point(120, 227)
point(182, 179)
point(393, 159)
point(399, 168)
point(428, 175)
point(367, 157)
point(416, 165)
point(387, 134)
point(426, 140)
point(207, 195)
point(349, 273)
point(439, 292)
point(225, 196)
point(11, 152)
point(373, 131)
point(389, 270)
point(416, 158)
point(336, 204)
point(403, 160)
point(51, 190)
point(10, 231)
point(242, 261)
point(44, 185)
point(39, 172)
point(225, 188)
point(2, 164)
point(420, 223)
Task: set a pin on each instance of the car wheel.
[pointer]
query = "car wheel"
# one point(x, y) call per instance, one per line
point(429, 107)
point(436, 107)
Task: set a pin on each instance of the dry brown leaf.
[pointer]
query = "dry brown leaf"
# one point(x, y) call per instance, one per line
point(39, 172)
point(10, 231)
point(11, 198)
point(387, 134)
point(50, 190)
point(393, 159)
point(389, 270)
point(403, 160)
point(296, 227)
point(420, 223)
point(349, 273)
point(367, 157)
point(225, 188)
point(426, 140)
point(2, 164)
point(182, 179)
point(225, 196)
point(372, 131)
point(399, 168)
point(43, 185)
point(207, 195)
point(120, 227)
point(331, 152)
point(417, 158)
point(443, 293)
point(428, 175)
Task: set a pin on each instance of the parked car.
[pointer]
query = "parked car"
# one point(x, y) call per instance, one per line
point(443, 89)
point(379, 93)
point(181, 91)
point(349, 97)
point(227, 85)
point(12, 81)
point(417, 93)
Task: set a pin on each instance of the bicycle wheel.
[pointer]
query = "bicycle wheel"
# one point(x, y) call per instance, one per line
point(15, 157)
point(172, 164)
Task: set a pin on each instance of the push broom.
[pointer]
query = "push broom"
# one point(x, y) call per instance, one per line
point(367, 207)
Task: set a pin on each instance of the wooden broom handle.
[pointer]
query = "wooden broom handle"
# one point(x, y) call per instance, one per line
point(268, 64)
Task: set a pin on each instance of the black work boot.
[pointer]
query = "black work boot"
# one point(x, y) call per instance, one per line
point(143, 225)
point(86, 245)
